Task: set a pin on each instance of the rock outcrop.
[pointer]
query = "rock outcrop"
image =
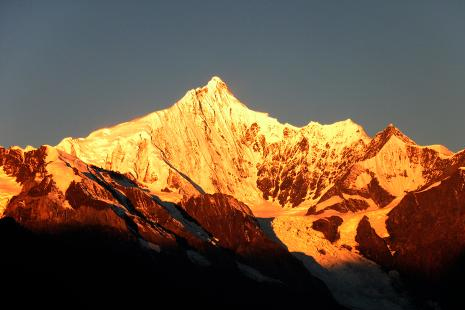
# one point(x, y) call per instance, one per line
point(329, 227)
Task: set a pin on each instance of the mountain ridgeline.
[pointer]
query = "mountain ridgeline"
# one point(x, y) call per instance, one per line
point(171, 204)
point(209, 141)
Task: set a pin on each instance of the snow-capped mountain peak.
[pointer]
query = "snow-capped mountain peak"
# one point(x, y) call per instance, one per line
point(216, 83)
point(392, 130)
point(389, 135)
point(215, 95)
point(210, 142)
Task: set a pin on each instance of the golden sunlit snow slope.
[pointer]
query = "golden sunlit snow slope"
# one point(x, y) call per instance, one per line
point(355, 281)
point(208, 136)
point(210, 142)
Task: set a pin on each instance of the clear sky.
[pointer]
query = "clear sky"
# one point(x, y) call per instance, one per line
point(70, 67)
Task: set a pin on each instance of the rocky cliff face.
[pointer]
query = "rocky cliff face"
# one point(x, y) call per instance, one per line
point(238, 230)
point(427, 228)
point(390, 166)
point(425, 240)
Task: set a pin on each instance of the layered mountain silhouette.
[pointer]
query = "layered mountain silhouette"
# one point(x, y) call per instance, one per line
point(82, 233)
point(227, 205)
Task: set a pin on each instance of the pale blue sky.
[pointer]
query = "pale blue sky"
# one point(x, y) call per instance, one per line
point(69, 67)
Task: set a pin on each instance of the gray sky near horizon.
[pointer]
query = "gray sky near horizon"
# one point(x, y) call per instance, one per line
point(70, 67)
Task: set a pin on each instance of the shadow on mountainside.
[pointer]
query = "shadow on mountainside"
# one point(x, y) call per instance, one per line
point(105, 241)
point(266, 224)
point(90, 268)
point(354, 284)
point(363, 284)
point(185, 176)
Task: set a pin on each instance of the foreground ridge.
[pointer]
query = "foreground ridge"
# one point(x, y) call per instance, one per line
point(84, 232)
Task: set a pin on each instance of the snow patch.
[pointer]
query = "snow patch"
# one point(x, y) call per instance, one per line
point(329, 202)
point(62, 173)
point(363, 180)
point(441, 149)
point(192, 227)
point(432, 185)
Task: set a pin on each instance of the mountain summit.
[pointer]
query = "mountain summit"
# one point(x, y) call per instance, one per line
point(213, 96)
point(216, 83)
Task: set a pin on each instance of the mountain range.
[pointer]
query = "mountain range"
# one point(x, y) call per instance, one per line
point(213, 201)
